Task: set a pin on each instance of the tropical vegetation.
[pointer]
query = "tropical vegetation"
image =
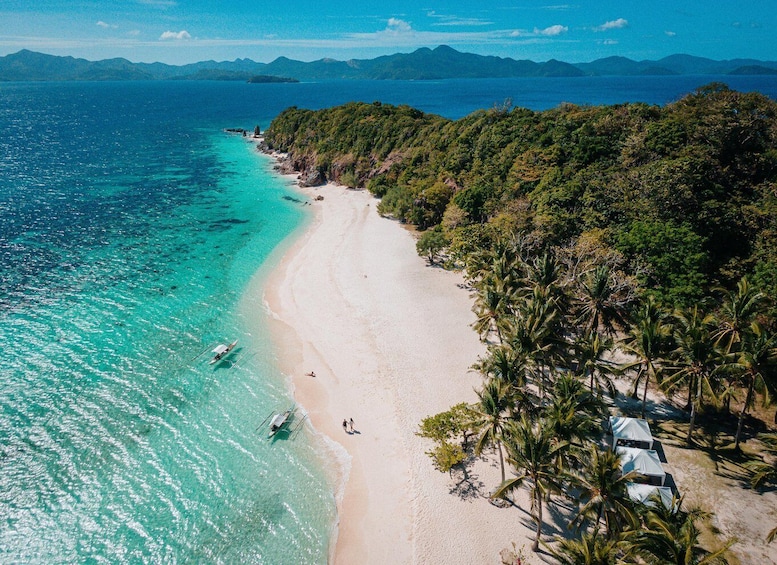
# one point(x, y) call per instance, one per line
point(587, 234)
point(548, 381)
point(684, 193)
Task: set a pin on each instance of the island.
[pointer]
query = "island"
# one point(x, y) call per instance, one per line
point(268, 79)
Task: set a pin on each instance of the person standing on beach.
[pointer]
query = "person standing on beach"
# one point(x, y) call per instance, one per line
point(351, 423)
point(345, 426)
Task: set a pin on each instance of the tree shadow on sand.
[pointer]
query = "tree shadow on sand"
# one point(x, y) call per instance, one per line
point(557, 514)
point(468, 485)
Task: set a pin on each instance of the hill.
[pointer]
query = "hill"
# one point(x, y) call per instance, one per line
point(442, 62)
point(685, 191)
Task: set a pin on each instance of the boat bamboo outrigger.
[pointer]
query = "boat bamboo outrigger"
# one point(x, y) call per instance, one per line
point(279, 421)
point(221, 351)
point(282, 422)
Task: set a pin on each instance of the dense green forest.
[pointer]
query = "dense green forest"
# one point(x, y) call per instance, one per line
point(686, 191)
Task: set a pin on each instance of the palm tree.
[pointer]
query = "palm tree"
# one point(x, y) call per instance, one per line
point(480, 263)
point(490, 309)
point(647, 341)
point(532, 451)
point(544, 272)
point(762, 472)
point(591, 350)
point(504, 272)
point(753, 363)
point(602, 491)
point(503, 363)
point(738, 310)
point(544, 280)
point(573, 412)
point(601, 303)
point(671, 537)
point(533, 334)
point(589, 549)
point(698, 359)
point(491, 414)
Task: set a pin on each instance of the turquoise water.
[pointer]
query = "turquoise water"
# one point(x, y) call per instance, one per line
point(131, 227)
point(126, 249)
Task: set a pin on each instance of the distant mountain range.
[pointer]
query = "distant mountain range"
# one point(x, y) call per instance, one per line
point(423, 64)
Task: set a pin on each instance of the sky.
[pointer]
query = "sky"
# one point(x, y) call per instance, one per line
point(186, 31)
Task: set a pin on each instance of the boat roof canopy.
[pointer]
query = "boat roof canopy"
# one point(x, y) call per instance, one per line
point(220, 348)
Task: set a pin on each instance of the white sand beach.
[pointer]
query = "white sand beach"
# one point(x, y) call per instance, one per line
point(390, 343)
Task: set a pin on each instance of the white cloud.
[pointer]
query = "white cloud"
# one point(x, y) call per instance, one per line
point(104, 25)
point(552, 30)
point(396, 34)
point(175, 35)
point(160, 3)
point(670, 33)
point(610, 42)
point(447, 20)
point(395, 25)
point(620, 23)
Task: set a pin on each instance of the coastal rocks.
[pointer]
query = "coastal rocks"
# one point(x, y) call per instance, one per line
point(309, 175)
point(284, 165)
point(312, 178)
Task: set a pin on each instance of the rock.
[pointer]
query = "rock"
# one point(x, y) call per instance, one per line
point(313, 178)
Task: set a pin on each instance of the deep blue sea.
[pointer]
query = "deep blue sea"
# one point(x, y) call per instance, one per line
point(131, 226)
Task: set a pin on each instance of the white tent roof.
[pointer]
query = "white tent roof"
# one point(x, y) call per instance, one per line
point(643, 461)
point(632, 429)
point(641, 493)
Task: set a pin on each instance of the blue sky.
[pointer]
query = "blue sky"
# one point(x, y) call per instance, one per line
point(184, 31)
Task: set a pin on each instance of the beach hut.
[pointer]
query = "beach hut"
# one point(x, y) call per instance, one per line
point(630, 432)
point(643, 461)
point(642, 493)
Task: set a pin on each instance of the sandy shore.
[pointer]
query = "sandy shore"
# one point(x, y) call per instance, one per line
point(389, 341)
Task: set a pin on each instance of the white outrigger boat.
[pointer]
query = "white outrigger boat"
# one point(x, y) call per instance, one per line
point(282, 422)
point(278, 421)
point(221, 351)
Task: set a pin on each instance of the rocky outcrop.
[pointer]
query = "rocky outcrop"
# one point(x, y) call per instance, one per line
point(312, 178)
point(286, 164)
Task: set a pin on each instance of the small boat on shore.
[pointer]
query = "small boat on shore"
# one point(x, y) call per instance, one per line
point(221, 351)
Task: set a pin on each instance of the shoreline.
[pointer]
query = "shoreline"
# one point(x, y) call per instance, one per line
point(389, 341)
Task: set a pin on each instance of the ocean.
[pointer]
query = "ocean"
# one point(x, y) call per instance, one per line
point(131, 227)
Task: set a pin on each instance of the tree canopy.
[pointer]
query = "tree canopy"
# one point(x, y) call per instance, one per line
point(685, 191)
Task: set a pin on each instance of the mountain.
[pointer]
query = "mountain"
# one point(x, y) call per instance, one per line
point(674, 65)
point(442, 62)
point(445, 62)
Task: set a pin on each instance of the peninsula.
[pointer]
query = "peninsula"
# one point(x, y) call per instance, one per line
point(582, 309)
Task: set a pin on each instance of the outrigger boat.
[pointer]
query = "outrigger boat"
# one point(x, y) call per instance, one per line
point(282, 422)
point(221, 351)
point(278, 421)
